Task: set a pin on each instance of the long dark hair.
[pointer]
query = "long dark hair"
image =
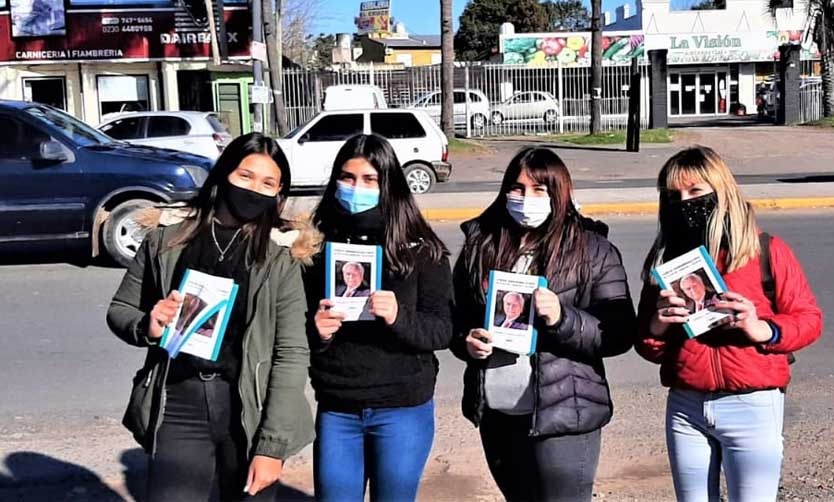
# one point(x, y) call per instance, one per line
point(558, 246)
point(404, 225)
point(204, 204)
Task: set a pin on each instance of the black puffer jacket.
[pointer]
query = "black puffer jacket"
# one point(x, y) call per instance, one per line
point(598, 320)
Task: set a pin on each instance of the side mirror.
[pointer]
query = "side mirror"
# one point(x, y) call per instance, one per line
point(303, 139)
point(51, 151)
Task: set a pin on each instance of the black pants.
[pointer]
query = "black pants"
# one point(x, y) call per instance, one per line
point(538, 469)
point(201, 446)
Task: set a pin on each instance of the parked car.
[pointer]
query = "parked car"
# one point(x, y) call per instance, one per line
point(527, 106)
point(478, 107)
point(354, 97)
point(62, 182)
point(201, 133)
point(773, 94)
point(420, 145)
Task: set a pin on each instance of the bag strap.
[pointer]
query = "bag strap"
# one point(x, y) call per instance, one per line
point(768, 281)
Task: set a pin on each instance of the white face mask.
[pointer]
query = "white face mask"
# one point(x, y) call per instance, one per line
point(529, 212)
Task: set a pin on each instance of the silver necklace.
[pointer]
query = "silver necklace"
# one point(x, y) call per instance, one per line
point(217, 244)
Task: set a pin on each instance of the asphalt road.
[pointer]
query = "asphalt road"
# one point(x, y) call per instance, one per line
point(61, 366)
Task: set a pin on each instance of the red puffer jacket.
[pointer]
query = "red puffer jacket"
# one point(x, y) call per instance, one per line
point(726, 360)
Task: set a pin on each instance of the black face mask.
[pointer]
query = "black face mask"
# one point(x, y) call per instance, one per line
point(686, 222)
point(246, 205)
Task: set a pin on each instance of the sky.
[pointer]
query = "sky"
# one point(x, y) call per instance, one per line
point(421, 17)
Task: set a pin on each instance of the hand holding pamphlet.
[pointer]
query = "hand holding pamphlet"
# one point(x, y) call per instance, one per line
point(200, 323)
point(352, 274)
point(510, 311)
point(694, 277)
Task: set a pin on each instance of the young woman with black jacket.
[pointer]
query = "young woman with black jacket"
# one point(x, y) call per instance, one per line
point(374, 380)
point(540, 416)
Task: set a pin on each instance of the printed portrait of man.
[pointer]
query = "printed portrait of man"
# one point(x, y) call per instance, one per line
point(353, 275)
point(697, 295)
point(513, 308)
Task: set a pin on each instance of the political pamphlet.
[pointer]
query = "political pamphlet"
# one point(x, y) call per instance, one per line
point(352, 274)
point(200, 323)
point(694, 277)
point(510, 311)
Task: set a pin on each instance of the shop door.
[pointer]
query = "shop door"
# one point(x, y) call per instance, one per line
point(707, 92)
point(689, 94)
point(232, 104)
point(49, 91)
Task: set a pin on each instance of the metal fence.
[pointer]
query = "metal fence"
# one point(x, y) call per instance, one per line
point(519, 100)
point(810, 102)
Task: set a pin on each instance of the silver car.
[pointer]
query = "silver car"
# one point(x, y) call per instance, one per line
point(527, 106)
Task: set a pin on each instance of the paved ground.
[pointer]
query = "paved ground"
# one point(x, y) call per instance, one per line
point(748, 150)
point(65, 381)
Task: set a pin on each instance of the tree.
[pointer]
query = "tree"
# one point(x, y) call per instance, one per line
point(299, 18)
point(567, 15)
point(447, 69)
point(710, 5)
point(821, 30)
point(319, 51)
point(480, 23)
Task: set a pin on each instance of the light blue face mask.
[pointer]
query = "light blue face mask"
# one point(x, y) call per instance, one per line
point(356, 199)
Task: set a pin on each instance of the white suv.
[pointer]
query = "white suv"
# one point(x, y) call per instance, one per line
point(478, 107)
point(420, 145)
point(195, 132)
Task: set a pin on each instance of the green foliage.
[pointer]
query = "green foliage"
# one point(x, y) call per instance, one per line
point(477, 37)
point(567, 15)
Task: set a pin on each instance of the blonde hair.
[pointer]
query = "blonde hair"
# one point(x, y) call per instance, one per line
point(732, 225)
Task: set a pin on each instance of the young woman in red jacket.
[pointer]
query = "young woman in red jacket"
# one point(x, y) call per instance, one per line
point(726, 399)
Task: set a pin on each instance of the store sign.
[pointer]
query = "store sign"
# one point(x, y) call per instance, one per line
point(743, 47)
point(37, 18)
point(570, 49)
point(125, 34)
point(374, 17)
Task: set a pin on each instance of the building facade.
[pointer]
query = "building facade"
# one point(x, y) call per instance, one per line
point(115, 56)
point(717, 59)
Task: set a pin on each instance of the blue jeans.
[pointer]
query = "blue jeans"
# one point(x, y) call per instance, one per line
point(387, 446)
point(741, 432)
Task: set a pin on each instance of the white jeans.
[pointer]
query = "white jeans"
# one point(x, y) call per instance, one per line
point(741, 432)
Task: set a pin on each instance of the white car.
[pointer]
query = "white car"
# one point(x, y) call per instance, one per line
point(353, 97)
point(527, 106)
point(478, 107)
point(420, 145)
point(201, 133)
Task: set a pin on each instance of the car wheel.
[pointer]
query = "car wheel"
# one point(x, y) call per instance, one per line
point(122, 234)
point(420, 178)
point(497, 118)
point(478, 122)
point(550, 116)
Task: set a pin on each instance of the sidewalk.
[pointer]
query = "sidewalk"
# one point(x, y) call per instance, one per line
point(748, 150)
point(598, 202)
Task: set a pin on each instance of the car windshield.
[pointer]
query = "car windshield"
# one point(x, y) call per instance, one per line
point(80, 132)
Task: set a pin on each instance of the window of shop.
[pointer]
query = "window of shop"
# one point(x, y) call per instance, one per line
point(694, 92)
point(122, 93)
point(46, 90)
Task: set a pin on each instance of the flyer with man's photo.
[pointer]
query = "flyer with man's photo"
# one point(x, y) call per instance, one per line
point(200, 323)
point(694, 277)
point(510, 311)
point(352, 274)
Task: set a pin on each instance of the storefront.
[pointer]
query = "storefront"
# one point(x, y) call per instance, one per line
point(108, 60)
point(716, 58)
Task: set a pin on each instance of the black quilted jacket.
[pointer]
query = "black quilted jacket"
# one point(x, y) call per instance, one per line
point(598, 320)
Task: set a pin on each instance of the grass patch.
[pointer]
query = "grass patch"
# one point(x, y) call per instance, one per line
point(826, 123)
point(616, 137)
point(459, 146)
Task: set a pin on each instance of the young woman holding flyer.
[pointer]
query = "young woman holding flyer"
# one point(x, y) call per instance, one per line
point(727, 387)
point(229, 423)
point(540, 416)
point(374, 380)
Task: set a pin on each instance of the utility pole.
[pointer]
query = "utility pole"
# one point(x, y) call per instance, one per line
point(596, 66)
point(258, 66)
point(275, 56)
point(447, 69)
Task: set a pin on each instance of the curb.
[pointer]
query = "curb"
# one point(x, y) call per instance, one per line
point(638, 208)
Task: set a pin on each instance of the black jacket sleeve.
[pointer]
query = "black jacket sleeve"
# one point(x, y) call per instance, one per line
point(607, 327)
point(427, 326)
point(468, 314)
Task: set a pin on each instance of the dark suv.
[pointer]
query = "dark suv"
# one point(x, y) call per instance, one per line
point(62, 182)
